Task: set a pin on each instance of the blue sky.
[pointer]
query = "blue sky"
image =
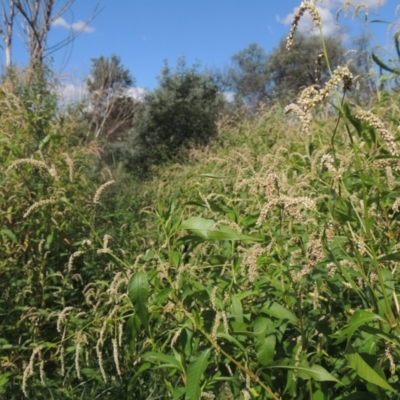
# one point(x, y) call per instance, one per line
point(143, 33)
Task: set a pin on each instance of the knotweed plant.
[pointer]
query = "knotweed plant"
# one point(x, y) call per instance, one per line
point(62, 314)
point(294, 293)
point(269, 271)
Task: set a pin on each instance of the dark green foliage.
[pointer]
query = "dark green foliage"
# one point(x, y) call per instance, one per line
point(180, 113)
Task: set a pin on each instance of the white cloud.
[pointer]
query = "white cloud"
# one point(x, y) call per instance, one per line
point(76, 91)
point(137, 93)
point(79, 26)
point(229, 96)
point(306, 25)
point(369, 3)
point(72, 92)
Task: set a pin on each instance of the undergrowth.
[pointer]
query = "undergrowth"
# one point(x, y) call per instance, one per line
point(266, 267)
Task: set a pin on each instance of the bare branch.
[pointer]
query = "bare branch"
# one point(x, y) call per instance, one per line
point(37, 16)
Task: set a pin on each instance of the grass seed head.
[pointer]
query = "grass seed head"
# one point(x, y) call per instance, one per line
point(316, 18)
point(374, 121)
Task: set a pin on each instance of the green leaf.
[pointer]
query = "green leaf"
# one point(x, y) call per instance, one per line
point(197, 224)
point(381, 21)
point(49, 240)
point(9, 234)
point(237, 309)
point(194, 373)
point(3, 381)
point(365, 371)
point(265, 348)
point(261, 325)
point(384, 66)
point(278, 311)
point(178, 393)
point(92, 373)
point(231, 339)
point(305, 371)
point(138, 292)
point(359, 318)
point(165, 360)
point(380, 334)
point(207, 230)
point(9, 346)
point(176, 258)
point(132, 329)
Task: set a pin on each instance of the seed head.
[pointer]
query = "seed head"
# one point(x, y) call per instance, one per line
point(316, 18)
point(380, 127)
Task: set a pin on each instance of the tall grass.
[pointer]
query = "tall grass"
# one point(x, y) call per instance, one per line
point(264, 268)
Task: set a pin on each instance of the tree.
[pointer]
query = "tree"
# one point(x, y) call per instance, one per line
point(36, 18)
point(363, 66)
point(291, 71)
point(6, 28)
point(111, 106)
point(180, 113)
point(259, 77)
point(247, 76)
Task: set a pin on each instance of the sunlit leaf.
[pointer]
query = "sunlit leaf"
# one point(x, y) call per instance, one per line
point(9, 234)
point(276, 310)
point(207, 230)
point(359, 318)
point(138, 292)
point(4, 378)
point(370, 373)
point(265, 349)
point(166, 360)
point(304, 370)
point(194, 372)
point(237, 309)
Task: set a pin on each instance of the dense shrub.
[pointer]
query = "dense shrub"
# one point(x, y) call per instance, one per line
point(180, 113)
point(48, 209)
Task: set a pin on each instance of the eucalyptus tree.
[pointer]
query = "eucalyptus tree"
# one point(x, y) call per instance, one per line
point(111, 105)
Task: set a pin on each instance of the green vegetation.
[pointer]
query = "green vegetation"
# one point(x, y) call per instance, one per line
point(257, 77)
point(178, 115)
point(265, 266)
